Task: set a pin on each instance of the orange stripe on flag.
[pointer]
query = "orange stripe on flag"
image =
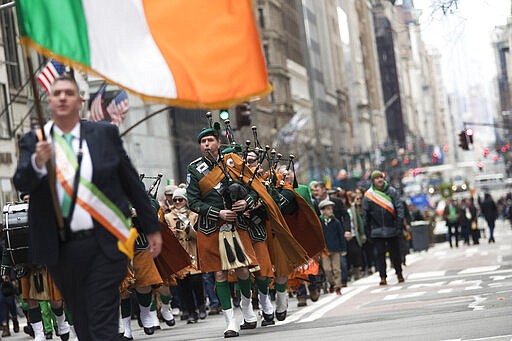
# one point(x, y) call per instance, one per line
point(206, 43)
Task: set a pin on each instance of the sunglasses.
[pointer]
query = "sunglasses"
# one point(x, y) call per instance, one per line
point(251, 160)
point(178, 200)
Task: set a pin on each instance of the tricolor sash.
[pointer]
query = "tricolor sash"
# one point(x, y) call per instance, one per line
point(91, 199)
point(381, 199)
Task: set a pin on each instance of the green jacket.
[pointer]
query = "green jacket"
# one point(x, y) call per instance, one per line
point(215, 200)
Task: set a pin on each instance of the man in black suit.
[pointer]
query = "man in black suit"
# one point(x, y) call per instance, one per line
point(89, 262)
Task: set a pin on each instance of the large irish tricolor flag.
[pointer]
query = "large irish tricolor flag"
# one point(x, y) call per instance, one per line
point(192, 53)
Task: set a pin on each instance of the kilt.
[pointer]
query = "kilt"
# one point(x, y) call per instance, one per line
point(28, 287)
point(209, 254)
point(145, 271)
point(263, 257)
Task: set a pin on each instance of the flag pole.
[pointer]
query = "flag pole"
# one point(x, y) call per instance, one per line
point(144, 119)
point(49, 165)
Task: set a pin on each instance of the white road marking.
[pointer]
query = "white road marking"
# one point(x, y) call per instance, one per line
point(445, 291)
point(407, 295)
point(386, 289)
point(478, 269)
point(340, 299)
point(426, 285)
point(475, 305)
point(472, 284)
point(324, 299)
point(421, 275)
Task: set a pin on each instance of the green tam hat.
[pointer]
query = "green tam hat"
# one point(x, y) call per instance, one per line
point(207, 132)
point(376, 174)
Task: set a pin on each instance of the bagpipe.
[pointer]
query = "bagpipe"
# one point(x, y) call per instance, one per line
point(153, 189)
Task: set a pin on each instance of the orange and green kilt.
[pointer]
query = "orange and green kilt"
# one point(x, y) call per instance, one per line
point(50, 292)
point(145, 271)
point(263, 257)
point(209, 254)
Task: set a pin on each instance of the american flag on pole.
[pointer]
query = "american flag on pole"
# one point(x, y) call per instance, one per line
point(51, 71)
point(96, 110)
point(118, 108)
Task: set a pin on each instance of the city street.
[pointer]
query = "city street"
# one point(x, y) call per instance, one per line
point(462, 293)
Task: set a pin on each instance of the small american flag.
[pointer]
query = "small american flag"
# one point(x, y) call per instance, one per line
point(51, 71)
point(118, 108)
point(96, 109)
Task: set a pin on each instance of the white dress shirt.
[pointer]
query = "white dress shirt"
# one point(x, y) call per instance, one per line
point(81, 219)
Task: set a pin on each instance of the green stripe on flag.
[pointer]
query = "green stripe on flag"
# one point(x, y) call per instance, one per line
point(56, 25)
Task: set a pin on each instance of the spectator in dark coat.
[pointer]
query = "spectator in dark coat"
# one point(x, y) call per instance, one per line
point(490, 213)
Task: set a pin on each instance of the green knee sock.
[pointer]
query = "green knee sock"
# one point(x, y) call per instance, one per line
point(126, 308)
point(165, 299)
point(280, 287)
point(34, 315)
point(223, 294)
point(69, 317)
point(245, 286)
point(153, 305)
point(263, 285)
point(144, 299)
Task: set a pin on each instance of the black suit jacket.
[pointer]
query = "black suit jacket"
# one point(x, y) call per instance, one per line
point(112, 173)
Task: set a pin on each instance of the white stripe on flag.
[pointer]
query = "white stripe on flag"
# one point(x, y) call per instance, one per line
point(123, 42)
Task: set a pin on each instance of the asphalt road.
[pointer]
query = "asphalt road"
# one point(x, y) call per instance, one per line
point(462, 293)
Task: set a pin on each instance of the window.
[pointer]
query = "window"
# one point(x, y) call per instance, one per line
point(261, 17)
point(10, 47)
point(5, 127)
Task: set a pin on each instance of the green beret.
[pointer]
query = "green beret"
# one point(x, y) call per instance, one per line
point(207, 132)
point(228, 150)
point(376, 174)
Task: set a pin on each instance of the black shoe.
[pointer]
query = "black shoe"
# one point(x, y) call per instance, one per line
point(248, 325)
point(28, 330)
point(48, 336)
point(170, 323)
point(184, 316)
point(230, 333)
point(16, 326)
point(192, 318)
point(268, 319)
point(281, 316)
point(149, 331)
point(125, 338)
point(202, 313)
point(64, 337)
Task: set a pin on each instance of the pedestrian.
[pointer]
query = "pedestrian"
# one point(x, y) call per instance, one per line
point(336, 246)
point(181, 221)
point(490, 212)
point(383, 215)
point(451, 215)
point(89, 260)
point(355, 238)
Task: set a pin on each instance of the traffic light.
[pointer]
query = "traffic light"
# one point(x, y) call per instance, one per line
point(469, 134)
point(463, 140)
point(224, 114)
point(243, 115)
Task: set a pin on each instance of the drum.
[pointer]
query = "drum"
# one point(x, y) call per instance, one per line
point(16, 232)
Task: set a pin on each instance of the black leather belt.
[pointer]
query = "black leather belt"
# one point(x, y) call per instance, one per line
point(80, 234)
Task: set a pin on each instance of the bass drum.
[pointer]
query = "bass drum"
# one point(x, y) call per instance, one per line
point(16, 232)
